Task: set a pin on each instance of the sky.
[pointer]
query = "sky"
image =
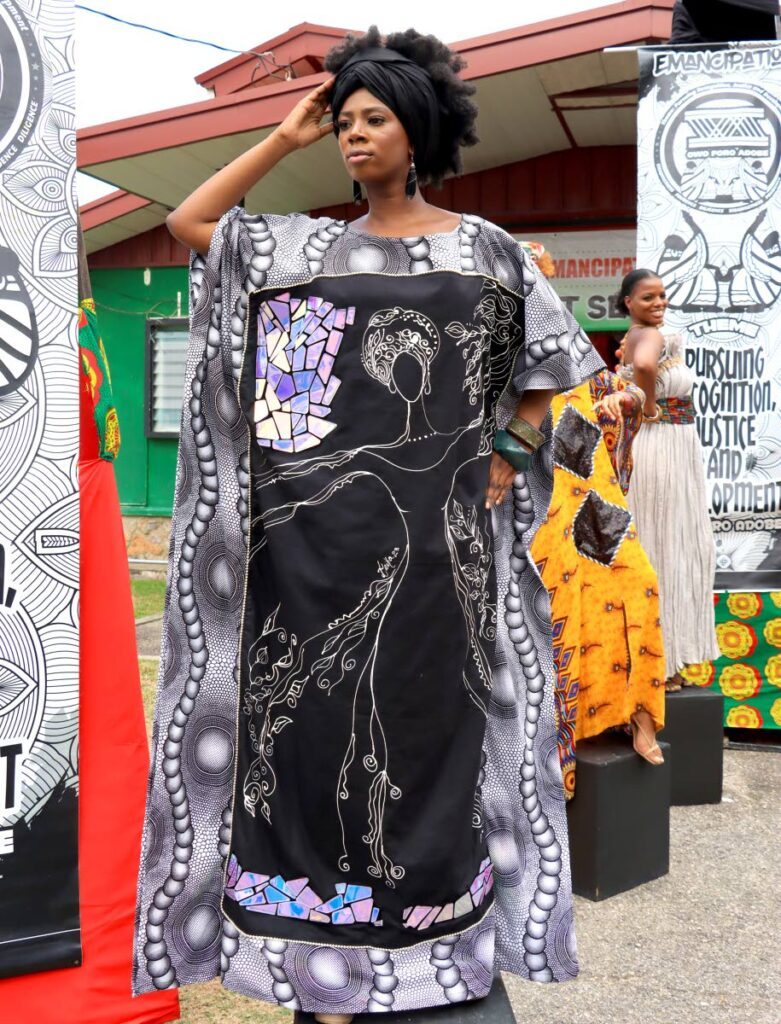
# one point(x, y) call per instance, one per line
point(124, 71)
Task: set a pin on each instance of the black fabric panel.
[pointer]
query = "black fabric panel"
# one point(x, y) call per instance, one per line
point(39, 891)
point(361, 545)
point(599, 529)
point(574, 442)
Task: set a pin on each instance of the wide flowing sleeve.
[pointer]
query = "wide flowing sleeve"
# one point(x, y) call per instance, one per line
point(556, 353)
point(618, 435)
point(545, 349)
point(189, 798)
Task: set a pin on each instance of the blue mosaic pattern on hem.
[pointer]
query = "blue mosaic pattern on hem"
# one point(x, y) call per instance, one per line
point(264, 894)
point(422, 917)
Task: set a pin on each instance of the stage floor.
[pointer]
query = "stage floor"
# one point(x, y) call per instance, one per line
point(697, 946)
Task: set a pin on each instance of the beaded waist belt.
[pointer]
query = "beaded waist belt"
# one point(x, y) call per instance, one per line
point(675, 410)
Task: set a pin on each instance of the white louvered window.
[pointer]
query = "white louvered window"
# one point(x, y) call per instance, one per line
point(166, 362)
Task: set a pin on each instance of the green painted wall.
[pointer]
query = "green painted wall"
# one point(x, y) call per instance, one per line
point(146, 467)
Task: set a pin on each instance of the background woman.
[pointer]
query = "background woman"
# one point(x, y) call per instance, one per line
point(383, 778)
point(667, 490)
point(604, 594)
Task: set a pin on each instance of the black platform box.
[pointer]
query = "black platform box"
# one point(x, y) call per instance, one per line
point(694, 728)
point(494, 1009)
point(619, 818)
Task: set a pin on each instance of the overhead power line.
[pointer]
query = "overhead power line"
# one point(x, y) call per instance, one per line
point(262, 57)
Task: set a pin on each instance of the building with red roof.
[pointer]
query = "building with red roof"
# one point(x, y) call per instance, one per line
point(556, 162)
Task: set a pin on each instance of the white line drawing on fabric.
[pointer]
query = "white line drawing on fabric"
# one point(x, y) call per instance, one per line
point(390, 333)
point(472, 582)
point(282, 685)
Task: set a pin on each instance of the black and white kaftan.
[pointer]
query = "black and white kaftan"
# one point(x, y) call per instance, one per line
point(356, 801)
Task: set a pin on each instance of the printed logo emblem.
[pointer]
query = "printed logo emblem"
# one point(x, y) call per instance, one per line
point(719, 149)
point(18, 326)
point(21, 82)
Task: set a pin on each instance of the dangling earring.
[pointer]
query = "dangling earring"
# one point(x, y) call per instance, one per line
point(412, 181)
point(357, 194)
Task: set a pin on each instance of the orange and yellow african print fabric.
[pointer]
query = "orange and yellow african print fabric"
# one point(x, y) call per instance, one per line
point(607, 640)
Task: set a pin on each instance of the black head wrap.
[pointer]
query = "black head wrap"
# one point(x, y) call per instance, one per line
point(403, 86)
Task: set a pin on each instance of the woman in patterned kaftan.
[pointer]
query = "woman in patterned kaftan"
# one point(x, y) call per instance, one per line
point(607, 637)
point(355, 801)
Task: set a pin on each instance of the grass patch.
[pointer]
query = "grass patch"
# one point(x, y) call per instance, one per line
point(210, 1003)
point(148, 668)
point(148, 596)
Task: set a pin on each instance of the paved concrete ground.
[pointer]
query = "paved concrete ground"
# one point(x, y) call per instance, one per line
point(700, 946)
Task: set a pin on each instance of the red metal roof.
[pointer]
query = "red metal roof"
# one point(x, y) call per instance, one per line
point(154, 248)
point(302, 49)
point(616, 24)
point(107, 208)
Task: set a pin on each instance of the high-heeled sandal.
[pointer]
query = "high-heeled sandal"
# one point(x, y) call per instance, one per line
point(653, 755)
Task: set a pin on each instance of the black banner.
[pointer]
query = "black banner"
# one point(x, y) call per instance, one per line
point(39, 506)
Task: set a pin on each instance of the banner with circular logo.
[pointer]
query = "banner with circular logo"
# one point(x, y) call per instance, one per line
point(39, 505)
point(21, 82)
point(709, 221)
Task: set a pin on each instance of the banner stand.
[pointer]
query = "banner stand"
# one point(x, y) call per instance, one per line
point(39, 502)
point(709, 216)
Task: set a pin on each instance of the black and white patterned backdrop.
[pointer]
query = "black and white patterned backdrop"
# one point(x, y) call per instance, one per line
point(39, 507)
point(709, 216)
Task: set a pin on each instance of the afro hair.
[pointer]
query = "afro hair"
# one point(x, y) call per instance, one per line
point(458, 111)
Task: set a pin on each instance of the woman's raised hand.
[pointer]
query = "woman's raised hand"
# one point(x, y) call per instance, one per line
point(302, 125)
point(615, 406)
point(194, 220)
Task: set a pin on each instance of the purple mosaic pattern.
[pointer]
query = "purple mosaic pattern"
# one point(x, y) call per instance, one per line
point(421, 917)
point(298, 340)
point(262, 894)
